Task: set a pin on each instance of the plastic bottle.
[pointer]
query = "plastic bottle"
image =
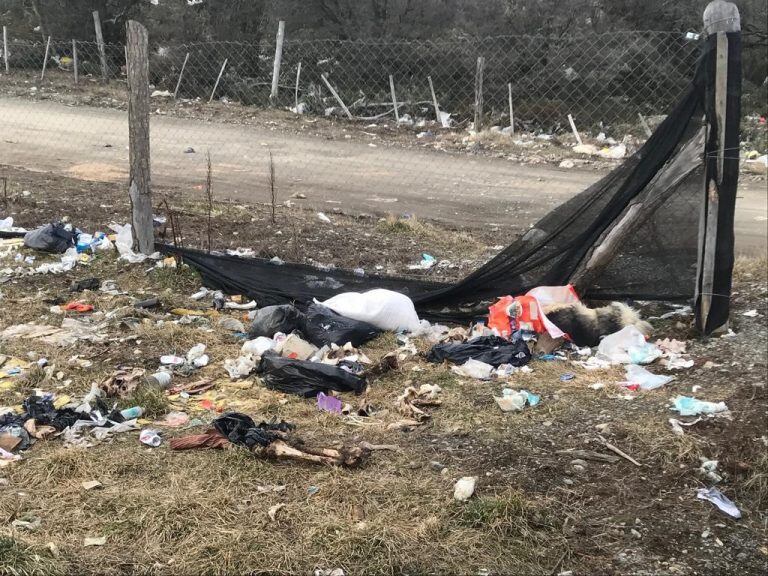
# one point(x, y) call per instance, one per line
point(131, 413)
point(161, 379)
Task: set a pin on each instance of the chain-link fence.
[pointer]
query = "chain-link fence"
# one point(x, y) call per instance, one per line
point(612, 84)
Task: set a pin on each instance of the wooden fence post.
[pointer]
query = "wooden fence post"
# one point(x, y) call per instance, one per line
point(45, 58)
point(721, 168)
point(178, 82)
point(74, 59)
point(100, 42)
point(278, 60)
point(479, 93)
point(5, 50)
point(138, 135)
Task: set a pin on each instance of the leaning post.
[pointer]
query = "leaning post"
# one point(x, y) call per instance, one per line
point(722, 105)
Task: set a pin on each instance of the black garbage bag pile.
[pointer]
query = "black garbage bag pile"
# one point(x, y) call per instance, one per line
point(319, 325)
point(56, 237)
point(492, 350)
point(323, 327)
point(240, 429)
point(307, 378)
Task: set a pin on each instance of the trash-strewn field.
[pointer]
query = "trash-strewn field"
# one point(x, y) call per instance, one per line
point(591, 479)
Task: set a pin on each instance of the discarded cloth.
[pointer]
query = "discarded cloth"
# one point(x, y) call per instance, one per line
point(492, 350)
point(240, 429)
point(307, 378)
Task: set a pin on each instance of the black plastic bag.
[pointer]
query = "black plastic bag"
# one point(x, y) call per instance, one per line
point(45, 413)
point(323, 327)
point(50, 238)
point(489, 349)
point(272, 319)
point(307, 378)
point(240, 429)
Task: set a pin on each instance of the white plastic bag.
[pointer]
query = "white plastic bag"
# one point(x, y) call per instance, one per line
point(627, 346)
point(124, 244)
point(474, 369)
point(647, 380)
point(258, 346)
point(385, 309)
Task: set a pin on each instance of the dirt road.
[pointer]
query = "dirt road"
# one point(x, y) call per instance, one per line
point(92, 143)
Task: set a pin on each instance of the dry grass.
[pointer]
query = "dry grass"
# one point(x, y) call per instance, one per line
point(166, 512)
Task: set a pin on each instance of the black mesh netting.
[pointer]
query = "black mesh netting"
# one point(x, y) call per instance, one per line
point(648, 211)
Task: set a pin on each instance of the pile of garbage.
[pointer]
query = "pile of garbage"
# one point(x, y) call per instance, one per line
point(314, 352)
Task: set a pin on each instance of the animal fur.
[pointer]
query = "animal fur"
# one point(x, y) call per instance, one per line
point(586, 326)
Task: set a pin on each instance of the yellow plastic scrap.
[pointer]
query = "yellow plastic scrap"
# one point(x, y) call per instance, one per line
point(61, 401)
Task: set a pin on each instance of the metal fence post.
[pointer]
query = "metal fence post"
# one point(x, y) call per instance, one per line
point(45, 58)
point(479, 93)
point(5, 50)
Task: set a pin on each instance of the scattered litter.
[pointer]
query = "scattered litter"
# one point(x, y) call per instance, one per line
point(464, 488)
point(671, 346)
point(240, 367)
point(720, 500)
point(567, 376)
point(91, 484)
point(323, 218)
point(474, 369)
point(150, 438)
point(328, 403)
point(751, 314)
point(708, 469)
point(514, 401)
point(675, 362)
point(427, 262)
point(646, 380)
point(688, 406)
point(627, 346)
point(272, 512)
point(170, 360)
point(95, 541)
point(677, 425)
point(297, 348)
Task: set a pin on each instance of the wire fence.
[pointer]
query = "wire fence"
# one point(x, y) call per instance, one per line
point(611, 84)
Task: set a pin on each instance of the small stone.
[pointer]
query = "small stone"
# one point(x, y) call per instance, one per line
point(568, 481)
point(635, 533)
